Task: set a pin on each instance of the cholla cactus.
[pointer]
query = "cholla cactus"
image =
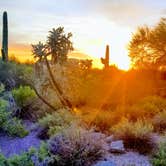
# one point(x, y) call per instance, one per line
point(38, 50)
point(105, 61)
point(59, 44)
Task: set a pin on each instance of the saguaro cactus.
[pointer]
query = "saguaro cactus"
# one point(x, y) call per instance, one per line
point(4, 49)
point(105, 61)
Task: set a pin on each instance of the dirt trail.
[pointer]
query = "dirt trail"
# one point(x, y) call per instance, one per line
point(14, 145)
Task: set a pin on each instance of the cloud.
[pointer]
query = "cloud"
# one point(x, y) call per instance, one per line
point(164, 12)
point(129, 13)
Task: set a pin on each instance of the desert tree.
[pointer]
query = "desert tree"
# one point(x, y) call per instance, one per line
point(147, 48)
point(58, 45)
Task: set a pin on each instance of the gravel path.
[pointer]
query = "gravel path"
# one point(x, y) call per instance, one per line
point(14, 145)
point(127, 159)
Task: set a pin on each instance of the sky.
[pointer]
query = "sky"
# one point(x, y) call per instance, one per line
point(93, 23)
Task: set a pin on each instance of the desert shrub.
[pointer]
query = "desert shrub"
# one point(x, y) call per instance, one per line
point(76, 147)
point(23, 95)
point(9, 124)
point(2, 160)
point(3, 112)
point(17, 160)
point(159, 157)
point(159, 122)
point(14, 127)
point(2, 88)
point(153, 105)
point(103, 120)
point(14, 74)
point(147, 107)
point(136, 135)
point(32, 157)
point(57, 121)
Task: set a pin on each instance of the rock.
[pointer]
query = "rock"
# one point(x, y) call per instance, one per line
point(109, 139)
point(105, 163)
point(117, 147)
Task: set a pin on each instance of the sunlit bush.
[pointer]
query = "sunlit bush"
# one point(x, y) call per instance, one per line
point(159, 122)
point(57, 121)
point(136, 135)
point(76, 147)
point(145, 108)
point(102, 120)
point(23, 95)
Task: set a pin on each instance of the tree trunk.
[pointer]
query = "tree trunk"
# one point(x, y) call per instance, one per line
point(64, 101)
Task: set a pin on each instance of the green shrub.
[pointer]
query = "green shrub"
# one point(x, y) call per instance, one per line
point(15, 128)
point(43, 151)
point(2, 88)
point(33, 157)
point(159, 122)
point(17, 160)
point(21, 160)
point(14, 74)
point(9, 124)
point(23, 95)
point(3, 112)
point(57, 121)
point(136, 135)
point(76, 147)
point(3, 161)
point(159, 157)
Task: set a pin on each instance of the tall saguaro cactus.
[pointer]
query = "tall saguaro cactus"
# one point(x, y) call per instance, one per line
point(105, 61)
point(4, 49)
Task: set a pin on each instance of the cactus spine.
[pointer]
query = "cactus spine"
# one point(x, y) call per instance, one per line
point(4, 49)
point(105, 61)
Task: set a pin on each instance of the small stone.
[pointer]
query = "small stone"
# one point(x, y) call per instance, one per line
point(105, 163)
point(117, 147)
point(109, 139)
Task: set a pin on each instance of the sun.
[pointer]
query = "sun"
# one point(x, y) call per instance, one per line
point(123, 63)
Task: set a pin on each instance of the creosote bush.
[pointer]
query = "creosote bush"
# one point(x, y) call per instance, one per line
point(136, 135)
point(76, 147)
point(23, 95)
point(58, 121)
point(14, 127)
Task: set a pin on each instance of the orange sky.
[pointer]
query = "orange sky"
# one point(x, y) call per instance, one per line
point(93, 23)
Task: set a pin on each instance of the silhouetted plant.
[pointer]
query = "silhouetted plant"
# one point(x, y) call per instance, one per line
point(59, 44)
point(38, 50)
point(5, 38)
point(105, 61)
